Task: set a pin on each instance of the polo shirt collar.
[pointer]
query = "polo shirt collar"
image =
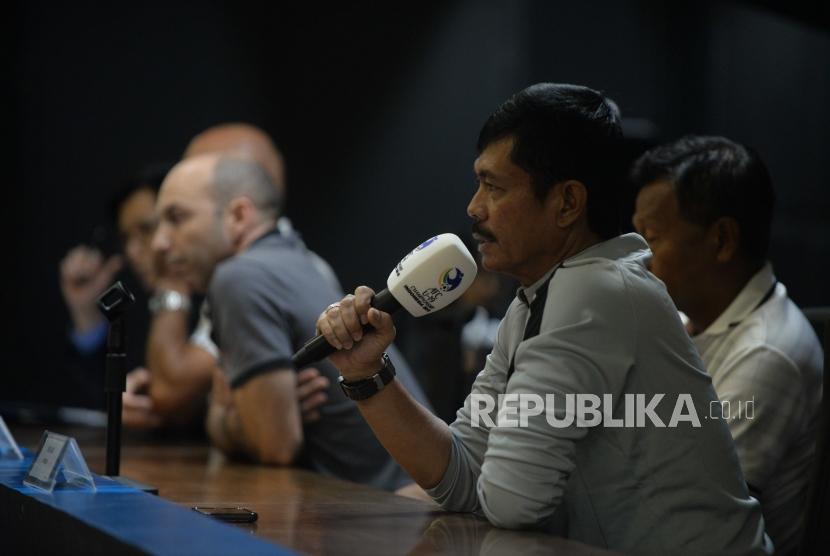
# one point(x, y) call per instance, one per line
point(745, 302)
point(527, 294)
point(615, 248)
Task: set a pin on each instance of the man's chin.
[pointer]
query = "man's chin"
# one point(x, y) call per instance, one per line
point(489, 263)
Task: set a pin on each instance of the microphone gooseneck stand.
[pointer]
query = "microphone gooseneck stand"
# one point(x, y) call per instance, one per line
point(113, 303)
point(115, 384)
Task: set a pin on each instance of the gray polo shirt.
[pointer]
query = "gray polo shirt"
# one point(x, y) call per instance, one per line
point(607, 327)
point(264, 304)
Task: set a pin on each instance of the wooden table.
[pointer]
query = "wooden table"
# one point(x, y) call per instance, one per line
point(305, 511)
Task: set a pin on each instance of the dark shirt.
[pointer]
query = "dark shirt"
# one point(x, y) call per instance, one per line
point(264, 304)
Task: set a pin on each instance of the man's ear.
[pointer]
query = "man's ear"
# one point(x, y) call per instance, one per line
point(238, 213)
point(569, 201)
point(725, 236)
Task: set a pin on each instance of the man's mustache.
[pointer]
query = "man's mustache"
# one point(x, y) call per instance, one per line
point(479, 230)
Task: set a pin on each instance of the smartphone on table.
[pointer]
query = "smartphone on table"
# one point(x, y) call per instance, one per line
point(231, 514)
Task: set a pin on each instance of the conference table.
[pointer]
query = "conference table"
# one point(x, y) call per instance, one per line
point(300, 510)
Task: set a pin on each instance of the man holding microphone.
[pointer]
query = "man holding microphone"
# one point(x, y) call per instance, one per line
point(588, 319)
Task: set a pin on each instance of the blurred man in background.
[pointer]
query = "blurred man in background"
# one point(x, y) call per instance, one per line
point(218, 233)
point(85, 273)
point(179, 351)
point(183, 363)
point(705, 207)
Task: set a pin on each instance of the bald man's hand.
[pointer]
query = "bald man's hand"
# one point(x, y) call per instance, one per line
point(311, 394)
point(137, 406)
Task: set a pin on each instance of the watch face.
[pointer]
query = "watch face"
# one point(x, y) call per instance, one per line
point(172, 300)
point(169, 300)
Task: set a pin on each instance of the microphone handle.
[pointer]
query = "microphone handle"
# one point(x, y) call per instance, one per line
point(319, 348)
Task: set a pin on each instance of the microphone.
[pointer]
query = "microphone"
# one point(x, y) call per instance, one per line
point(427, 279)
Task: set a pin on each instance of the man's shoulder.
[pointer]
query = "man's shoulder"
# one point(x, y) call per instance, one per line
point(270, 256)
point(596, 281)
point(618, 294)
point(235, 270)
point(778, 332)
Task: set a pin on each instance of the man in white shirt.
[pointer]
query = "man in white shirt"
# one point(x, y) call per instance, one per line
point(705, 208)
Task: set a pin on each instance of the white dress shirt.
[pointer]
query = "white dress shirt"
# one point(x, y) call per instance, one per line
point(762, 349)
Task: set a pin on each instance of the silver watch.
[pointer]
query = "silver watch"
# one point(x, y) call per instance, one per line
point(169, 300)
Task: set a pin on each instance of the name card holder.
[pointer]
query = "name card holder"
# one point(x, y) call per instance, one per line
point(58, 455)
point(8, 447)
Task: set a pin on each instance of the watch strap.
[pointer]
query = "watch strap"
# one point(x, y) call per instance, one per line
point(368, 387)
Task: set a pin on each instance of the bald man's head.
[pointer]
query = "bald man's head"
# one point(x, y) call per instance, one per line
point(241, 177)
point(241, 140)
point(210, 207)
point(222, 177)
point(190, 237)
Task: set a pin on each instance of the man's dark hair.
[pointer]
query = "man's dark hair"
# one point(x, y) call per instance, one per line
point(565, 132)
point(149, 177)
point(714, 177)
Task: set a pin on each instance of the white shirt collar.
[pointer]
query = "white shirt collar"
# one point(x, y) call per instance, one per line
point(745, 302)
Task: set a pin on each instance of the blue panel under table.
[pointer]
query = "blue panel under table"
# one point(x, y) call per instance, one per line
point(113, 517)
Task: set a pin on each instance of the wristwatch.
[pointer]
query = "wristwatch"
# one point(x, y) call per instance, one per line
point(169, 300)
point(368, 387)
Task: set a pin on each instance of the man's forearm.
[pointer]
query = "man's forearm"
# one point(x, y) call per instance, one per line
point(167, 343)
point(418, 440)
point(260, 418)
point(165, 356)
point(180, 371)
point(225, 430)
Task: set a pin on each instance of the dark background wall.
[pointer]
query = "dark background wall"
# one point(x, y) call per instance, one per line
point(377, 110)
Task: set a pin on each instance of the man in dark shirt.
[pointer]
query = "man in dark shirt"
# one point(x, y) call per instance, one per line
point(85, 273)
point(217, 231)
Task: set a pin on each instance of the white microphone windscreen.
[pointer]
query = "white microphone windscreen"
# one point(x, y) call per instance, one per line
point(432, 275)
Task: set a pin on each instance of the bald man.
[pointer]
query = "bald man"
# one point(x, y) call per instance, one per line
point(217, 233)
point(246, 141)
point(243, 141)
point(183, 364)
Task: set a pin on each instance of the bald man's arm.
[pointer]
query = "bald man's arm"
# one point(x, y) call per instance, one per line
point(261, 418)
point(180, 371)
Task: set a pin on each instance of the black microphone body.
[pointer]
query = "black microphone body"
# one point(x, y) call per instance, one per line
point(319, 348)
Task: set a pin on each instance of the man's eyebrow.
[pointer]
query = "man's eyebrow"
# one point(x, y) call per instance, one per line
point(169, 209)
point(651, 222)
point(484, 175)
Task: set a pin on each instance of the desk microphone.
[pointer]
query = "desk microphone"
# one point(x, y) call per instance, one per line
point(427, 279)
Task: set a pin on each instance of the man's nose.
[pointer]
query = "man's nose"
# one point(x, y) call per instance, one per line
point(161, 240)
point(475, 209)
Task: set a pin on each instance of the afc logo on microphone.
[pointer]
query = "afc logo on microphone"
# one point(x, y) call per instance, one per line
point(425, 244)
point(450, 279)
